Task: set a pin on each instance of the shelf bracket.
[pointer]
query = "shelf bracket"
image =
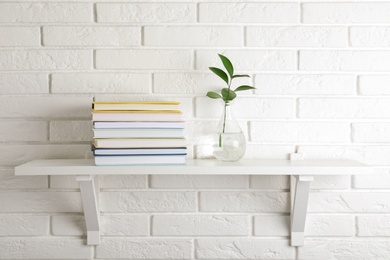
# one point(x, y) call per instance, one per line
point(89, 188)
point(300, 189)
point(299, 192)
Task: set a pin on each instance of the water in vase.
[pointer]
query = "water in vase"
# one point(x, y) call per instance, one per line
point(229, 147)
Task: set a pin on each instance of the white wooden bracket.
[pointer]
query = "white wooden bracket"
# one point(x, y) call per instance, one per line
point(89, 188)
point(299, 190)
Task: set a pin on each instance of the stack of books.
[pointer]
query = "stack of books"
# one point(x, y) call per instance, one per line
point(138, 133)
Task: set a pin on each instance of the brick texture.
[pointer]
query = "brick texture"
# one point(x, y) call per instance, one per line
point(296, 36)
point(46, 12)
point(126, 248)
point(31, 248)
point(100, 83)
point(20, 36)
point(249, 13)
point(92, 36)
point(321, 73)
point(200, 225)
point(24, 83)
point(344, 13)
point(210, 248)
point(45, 60)
point(141, 13)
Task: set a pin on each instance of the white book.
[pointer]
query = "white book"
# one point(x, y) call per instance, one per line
point(143, 116)
point(140, 151)
point(139, 142)
point(139, 124)
point(138, 133)
point(140, 160)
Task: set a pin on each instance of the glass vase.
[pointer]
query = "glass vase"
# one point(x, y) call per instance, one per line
point(228, 141)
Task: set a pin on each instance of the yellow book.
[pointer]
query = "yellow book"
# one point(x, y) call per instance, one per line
point(138, 111)
point(136, 105)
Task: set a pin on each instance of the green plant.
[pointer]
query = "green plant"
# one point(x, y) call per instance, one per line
point(227, 94)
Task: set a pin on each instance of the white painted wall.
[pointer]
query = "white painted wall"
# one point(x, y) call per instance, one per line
point(321, 69)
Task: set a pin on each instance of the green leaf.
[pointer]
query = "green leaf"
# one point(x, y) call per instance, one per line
point(220, 73)
point(244, 87)
point(212, 94)
point(228, 94)
point(228, 65)
point(241, 76)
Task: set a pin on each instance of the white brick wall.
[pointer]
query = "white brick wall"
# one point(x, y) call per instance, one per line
point(321, 72)
point(193, 36)
point(20, 36)
point(250, 59)
point(242, 12)
point(44, 248)
point(145, 248)
point(38, 59)
point(100, 83)
point(296, 36)
point(335, 249)
point(74, 225)
point(317, 225)
point(24, 83)
point(91, 36)
point(200, 225)
point(345, 13)
point(26, 13)
point(19, 225)
point(146, 13)
point(243, 248)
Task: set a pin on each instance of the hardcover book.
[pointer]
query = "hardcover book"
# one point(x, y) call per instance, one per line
point(156, 124)
point(140, 159)
point(138, 133)
point(161, 105)
point(144, 115)
point(139, 143)
point(139, 151)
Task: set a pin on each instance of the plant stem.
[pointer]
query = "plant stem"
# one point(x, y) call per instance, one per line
point(224, 118)
point(229, 85)
point(224, 114)
point(224, 125)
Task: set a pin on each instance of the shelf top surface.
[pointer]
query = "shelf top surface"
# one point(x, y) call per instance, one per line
point(197, 167)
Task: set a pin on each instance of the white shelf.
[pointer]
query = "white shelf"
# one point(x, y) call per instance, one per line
point(302, 172)
point(198, 167)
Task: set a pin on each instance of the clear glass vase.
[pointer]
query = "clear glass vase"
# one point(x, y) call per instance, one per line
point(228, 141)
